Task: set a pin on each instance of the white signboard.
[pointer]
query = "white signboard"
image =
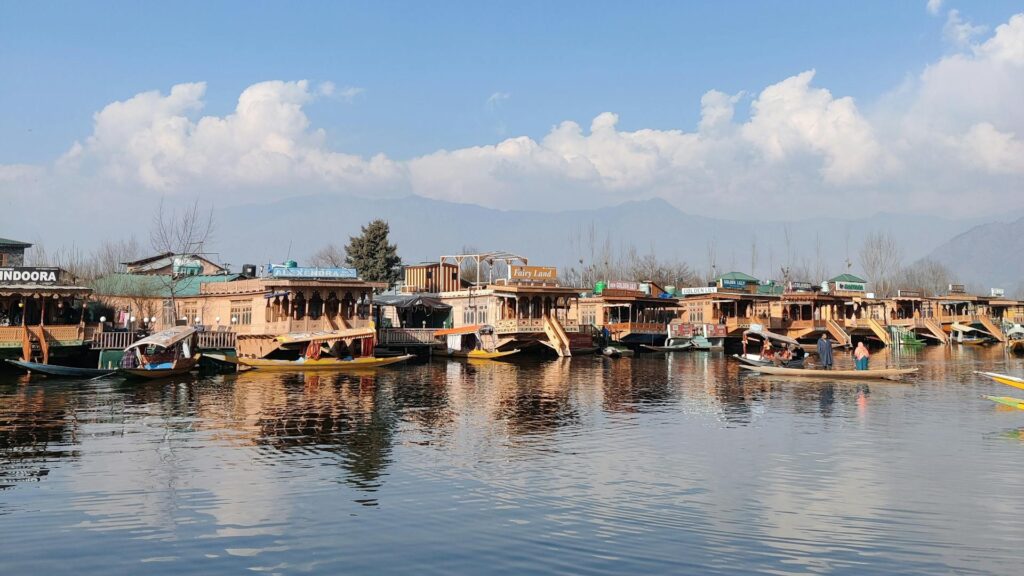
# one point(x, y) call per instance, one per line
point(698, 290)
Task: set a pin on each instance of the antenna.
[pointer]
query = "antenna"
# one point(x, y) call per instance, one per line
point(289, 255)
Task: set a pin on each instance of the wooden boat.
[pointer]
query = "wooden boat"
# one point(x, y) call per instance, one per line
point(478, 341)
point(881, 373)
point(1010, 401)
point(757, 360)
point(327, 350)
point(671, 345)
point(304, 364)
point(1016, 347)
point(1003, 379)
point(170, 352)
point(64, 371)
point(617, 351)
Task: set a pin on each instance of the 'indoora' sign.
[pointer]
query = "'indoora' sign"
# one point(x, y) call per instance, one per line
point(532, 273)
point(29, 275)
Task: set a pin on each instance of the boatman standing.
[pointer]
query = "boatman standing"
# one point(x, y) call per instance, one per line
point(825, 351)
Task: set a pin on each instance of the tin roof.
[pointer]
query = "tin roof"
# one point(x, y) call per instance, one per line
point(15, 243)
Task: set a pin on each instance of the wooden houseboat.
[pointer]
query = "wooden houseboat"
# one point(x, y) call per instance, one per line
point(44, 313)
point(526, 304)
point(631, 313)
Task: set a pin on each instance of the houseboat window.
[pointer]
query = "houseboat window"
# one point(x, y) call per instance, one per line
point(481, 314)
point(241, 311)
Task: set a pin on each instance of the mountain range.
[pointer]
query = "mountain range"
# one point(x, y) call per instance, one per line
point(424, 229)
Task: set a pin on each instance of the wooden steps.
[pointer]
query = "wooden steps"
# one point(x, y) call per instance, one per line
point(557, 337)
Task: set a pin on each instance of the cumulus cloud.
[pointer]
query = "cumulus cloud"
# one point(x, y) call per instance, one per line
point(933, 7)
point(959, 32)
point(496, 98)
point(952, 129)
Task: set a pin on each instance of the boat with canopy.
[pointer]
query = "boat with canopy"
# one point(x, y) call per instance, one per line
point(798, 355)
point(350, 349)
point(477, 341)
point(169, 352)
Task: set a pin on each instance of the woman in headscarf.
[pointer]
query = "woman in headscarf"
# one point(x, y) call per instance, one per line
point(861, 356)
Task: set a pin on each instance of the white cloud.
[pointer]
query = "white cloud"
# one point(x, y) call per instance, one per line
point(797, 147)
point(959, 32)
point(349, 93)
point(496, 98)
point(934, 6)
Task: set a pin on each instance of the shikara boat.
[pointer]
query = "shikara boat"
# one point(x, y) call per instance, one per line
point(880, 373)
point(328, 350)
point(477, 341)
point(671, 345)
point(1004, 379)
point(63, 371)
point(170, 352)
point(758, 360)
point(1010, 401)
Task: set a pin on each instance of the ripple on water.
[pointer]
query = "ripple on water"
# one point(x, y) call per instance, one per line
point(658, 464)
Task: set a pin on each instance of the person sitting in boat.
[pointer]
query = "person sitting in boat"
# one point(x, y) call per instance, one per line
point(861, 356)
point(798, 352)
point(784, 356)
point(767, 352)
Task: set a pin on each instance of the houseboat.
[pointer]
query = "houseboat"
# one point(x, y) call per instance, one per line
point(632, 314)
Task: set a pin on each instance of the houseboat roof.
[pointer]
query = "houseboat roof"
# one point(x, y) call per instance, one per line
point(533, 289)
point(610, 295)
point(848, 278)
point(14, 243)
point(740, 276)
point(351, 333)
point(165, 338)
point(157, 285)
point(410, 301)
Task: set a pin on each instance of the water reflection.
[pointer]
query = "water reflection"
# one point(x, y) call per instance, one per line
point(674, 463)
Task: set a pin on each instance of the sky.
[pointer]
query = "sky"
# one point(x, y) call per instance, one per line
point(747, 109)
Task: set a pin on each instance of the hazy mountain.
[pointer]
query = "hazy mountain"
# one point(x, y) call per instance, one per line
point(424, 229)
point(987, 256)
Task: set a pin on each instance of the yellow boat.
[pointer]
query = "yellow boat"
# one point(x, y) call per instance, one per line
point(482, 354)
point(1004, 379)
point(322, 363)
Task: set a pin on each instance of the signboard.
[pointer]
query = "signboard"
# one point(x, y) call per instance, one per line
point(312, 272)
point(850, 286)
point(697, 290)
point(956, 288)
point(681, 330)
point(801, 286)
point(998, 292)
point(733, 284)
point(908, 294)
point(30, 275)
point(535, 273)
point(627, 286)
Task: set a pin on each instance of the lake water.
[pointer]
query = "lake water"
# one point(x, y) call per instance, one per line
point(657, 464)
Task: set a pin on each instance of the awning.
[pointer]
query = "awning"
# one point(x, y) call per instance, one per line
point(294, 337)
point(165, 338)
point(772, 336)
point(473, 329)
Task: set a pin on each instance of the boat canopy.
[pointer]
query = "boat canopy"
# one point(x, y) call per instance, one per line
point(352, 333)
point(472, 329)
point(957, 327)
point(771, 336)
point(165, 338)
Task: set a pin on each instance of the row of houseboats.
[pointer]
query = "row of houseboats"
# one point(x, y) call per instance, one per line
point(290, 317)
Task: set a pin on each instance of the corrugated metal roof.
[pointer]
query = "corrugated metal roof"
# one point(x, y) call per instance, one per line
point(156, 285)
point(848, 278)
point(737, 276)
point(8, 242)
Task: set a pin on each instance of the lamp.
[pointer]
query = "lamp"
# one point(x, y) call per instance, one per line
point(234, 319)
point(217, 319)
point(103, 319)
point(197, 319)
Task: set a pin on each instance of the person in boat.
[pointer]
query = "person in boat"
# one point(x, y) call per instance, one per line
point(784, 356)
point(861, 356)
point(767, 352)
point(744, 341)
point(798, 352)
point(825, 351)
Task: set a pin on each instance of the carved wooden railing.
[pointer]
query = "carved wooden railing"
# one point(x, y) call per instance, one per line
point(527, 325)
point(406, 336)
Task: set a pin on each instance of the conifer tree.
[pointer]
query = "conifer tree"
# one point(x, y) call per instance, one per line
point(372, 255)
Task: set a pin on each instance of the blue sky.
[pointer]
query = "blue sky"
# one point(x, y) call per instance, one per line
point(427, 69)
point(744, 108)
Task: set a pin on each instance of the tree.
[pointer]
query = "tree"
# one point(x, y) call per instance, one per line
point(372, 255)
point(929, 277)
point(182, 233)
point(329, 256)
point(880, 256)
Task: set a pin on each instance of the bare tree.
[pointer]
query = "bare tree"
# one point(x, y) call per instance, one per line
point(880, 257)
point(182, 233)
point(927, 276)
point(329, 256)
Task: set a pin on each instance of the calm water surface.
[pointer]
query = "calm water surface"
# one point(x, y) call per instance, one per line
point(671, 464)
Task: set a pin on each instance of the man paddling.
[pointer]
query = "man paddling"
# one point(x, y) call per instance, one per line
point(825, 351)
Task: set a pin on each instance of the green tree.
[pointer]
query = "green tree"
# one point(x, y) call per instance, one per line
point(372, 255)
